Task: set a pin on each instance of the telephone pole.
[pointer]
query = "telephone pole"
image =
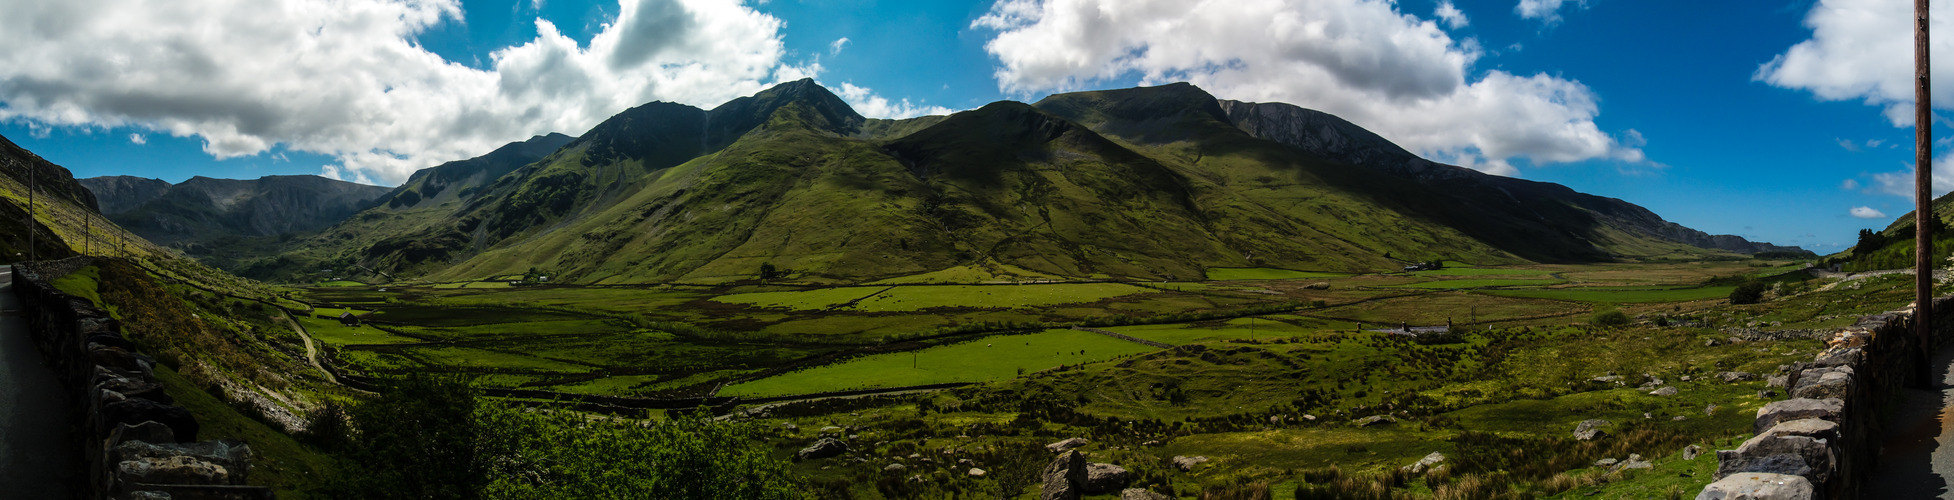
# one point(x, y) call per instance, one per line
point(30, 212)
point(1923, 195)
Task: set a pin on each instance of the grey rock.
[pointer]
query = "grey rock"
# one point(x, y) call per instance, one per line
point(135, 411)
point(1064, 476)
point(1808, 427)
point(1759, 486)
point(1797, 409)
point(1731, 377)
point(173, 470)
point(1730, 462)
point(148, 495)
point(1711, 410)
point(1068, 444)
point(1590, 429)
point(1823, 383)
point(148, 432)
point(1606, 462)
point(894, 467)
point(1104, 479)
point(1607, 379)
point(1664, 391)
point(1777, 381)
point(823, 448)
point(1424, 464)
point(976, 472)
point(1375, 420)
point(1692, 451)
point(1141, 494)
point(1816, 453)
point(1187, 463)
point(233, 456)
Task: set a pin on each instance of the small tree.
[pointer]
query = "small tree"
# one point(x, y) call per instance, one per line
point(1611, 318)
point(1750, 292)
point(769, 273)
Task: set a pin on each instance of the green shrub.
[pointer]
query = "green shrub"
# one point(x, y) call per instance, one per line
point(1611, 318)
point(1751, 292)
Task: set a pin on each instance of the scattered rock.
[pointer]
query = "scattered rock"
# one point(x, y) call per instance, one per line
point(1606, 462)
point(1376, 420)
point(1607, 379)
point(1758, 486)
point(1664, 391)
point(1309, 417)
point(1710, 410)
point(976, 472)
point(823, 448)
point(1151, 443)
point(1104, 478)
point(830, 430)
point(1731, 377)
point(1187, 463)
point(1590, 429)
point(893, 468)
point(1692, 451)
point(790, 427)
point(1711, 343)
point(1678, 418)
point(1777, 381)
point(1063, 446)
point(1425, 463)
point(1634, 461)
point(1141, 494)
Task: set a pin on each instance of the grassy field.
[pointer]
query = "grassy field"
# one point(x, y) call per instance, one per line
point(982, 360)
point(1619, 295)
point(1263, 273)
point(1479, 283)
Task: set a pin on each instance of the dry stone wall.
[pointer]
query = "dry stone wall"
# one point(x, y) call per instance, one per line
point(1824, 440)
point(137, 443)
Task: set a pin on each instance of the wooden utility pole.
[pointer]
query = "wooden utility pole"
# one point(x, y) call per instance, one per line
point(1923, 195)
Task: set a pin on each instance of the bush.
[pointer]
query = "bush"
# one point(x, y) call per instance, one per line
point(1750, 292)
point(1611, 318)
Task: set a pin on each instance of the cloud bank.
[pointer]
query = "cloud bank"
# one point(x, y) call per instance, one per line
point(1396, 74)
point(346, 78)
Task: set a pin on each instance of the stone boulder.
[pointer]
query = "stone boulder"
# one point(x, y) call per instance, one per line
point(823, 448)
point(233, 456)
point(976, 472)
point(135, 387)
point(1807, 427)
point(1823, 383)
point(135, 411)
point(1376, 420)
point(148, 432)
point(178, 469)
point(1104, 479)
point(1186, 463)
point(1590, 429)
point(1064, 477)
point(1730, 463)
point(1797, 409)
point(1759, 486)
point(1424, 464)
point(1816, 454)
point(1066, 445)
point(1667, 390)
point(1692, 451)
point(1141, 494)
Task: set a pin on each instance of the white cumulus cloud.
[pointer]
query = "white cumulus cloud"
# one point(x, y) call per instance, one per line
point(1867, 213)
point(1547, 11)
point(835, 47)
point(870, 105)
point(138, 139)
point(1834, 65)
point(1453, 17)
point(1396, 74)
point(346, 78)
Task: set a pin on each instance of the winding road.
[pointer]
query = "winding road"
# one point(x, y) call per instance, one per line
point(311, 353)
point(37, 457)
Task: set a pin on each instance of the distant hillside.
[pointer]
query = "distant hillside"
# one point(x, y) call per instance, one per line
point(1327, 136)
point(1152, 183)
point(203, 209)
point(66, 221)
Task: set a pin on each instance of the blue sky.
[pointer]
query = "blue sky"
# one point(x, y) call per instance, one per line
point(1700, 111)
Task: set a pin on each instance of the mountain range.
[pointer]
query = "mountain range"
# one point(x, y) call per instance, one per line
point(1152, 183)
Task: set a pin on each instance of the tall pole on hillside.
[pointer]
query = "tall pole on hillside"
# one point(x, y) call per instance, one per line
point(1923, 196)
point(30, 213)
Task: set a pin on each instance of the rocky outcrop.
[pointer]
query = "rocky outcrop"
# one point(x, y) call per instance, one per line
point(1063, 477)
point(1067, 445)
point(137, 443)
point(824, 448)
point(1104, 479)
point(1821, 442)
point(1590, 429)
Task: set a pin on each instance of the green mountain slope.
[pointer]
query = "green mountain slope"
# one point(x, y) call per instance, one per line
point(1151, 183)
